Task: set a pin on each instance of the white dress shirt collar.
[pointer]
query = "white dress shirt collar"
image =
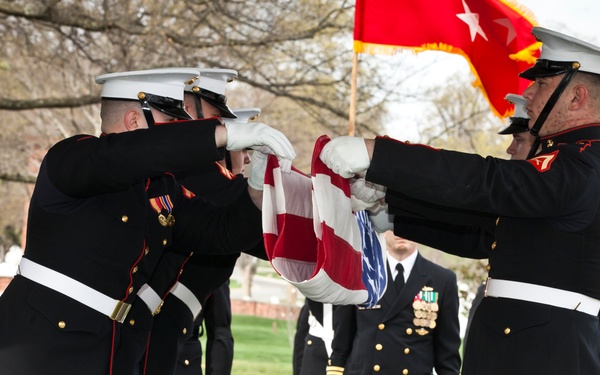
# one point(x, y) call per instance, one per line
point(407, 263)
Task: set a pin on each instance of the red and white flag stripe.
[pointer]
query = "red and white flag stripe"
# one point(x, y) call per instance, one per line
point(311, 234)
point(338, 235)
point(288, 222)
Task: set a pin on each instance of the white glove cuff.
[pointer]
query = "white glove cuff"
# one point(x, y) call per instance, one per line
point(258, 167)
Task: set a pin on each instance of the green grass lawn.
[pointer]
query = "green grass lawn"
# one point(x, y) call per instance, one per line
point(262, 346)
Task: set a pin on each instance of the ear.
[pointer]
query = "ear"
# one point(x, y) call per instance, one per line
point(580, 97)
point(132, 120)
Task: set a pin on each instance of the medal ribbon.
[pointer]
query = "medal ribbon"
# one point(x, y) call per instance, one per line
point(427, 296)
point(160, 203)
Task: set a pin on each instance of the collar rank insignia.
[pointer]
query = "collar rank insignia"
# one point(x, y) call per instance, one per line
point(426, 306)
point(225, 172)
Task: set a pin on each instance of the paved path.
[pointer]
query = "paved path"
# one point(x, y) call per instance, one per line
point(267, 289)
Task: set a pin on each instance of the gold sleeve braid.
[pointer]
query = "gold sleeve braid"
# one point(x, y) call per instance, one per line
point(334, 370)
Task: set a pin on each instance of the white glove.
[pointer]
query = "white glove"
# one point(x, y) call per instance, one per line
point(346, 156)
point(366, 195)
point(285, 165)
point(241, 136)
point(258, 166)
point(381, 220)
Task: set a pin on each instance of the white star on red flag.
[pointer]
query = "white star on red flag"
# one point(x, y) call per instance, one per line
point(511, 33)
point(472, 20)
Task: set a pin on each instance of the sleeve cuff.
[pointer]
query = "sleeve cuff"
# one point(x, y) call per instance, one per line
point(334, 370)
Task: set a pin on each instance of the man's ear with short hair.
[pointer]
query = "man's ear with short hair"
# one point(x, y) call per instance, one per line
point(133, 120)
point(580, 97)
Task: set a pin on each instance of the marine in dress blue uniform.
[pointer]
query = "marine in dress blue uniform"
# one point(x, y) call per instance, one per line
point(94, 237)
point(200, 275)
point(540, 310)
point(518, 150)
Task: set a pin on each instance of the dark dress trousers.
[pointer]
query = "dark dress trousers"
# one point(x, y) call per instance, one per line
point(219, 339)
point(300, 338)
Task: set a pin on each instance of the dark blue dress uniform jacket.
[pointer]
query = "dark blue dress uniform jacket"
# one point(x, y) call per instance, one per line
point(387, 341)
point(547, 233)
point(90, 219)
point(201, 274)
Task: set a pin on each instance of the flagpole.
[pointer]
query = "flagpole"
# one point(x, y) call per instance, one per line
point(352, 118)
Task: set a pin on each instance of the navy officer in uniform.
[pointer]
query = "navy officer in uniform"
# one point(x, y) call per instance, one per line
point(102, 212)
point(540, 310)
point(414, 327)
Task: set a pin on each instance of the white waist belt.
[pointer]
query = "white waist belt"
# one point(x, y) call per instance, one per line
point(542, 294)
point(186, 296)
point(150, 298)
point(113, 308)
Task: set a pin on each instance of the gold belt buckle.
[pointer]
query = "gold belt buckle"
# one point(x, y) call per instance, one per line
point(157, 311)
point(487, 282)
point(120, 312)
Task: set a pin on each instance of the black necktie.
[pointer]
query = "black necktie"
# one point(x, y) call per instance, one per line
point(399, 280)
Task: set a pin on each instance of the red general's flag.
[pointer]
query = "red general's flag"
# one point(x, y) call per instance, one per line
point(493, 35)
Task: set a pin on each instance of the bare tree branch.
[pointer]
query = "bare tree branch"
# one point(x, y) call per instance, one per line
point(17, 178)
point(22, 105)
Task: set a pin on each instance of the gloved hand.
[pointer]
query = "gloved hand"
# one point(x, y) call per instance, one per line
point(366, 195)
point(381, 220)
point(258, 166)
point(346, 156)
point(285, 165)
point(241, 136)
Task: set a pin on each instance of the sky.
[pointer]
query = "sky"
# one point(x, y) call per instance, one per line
point(575, 17)
point(578, 18)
